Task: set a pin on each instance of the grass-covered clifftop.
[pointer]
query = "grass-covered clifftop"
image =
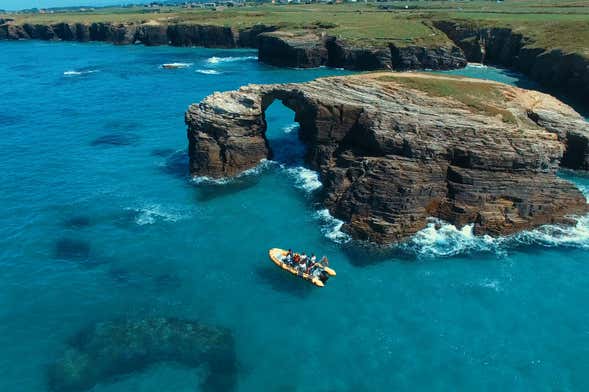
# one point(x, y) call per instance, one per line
point(551, 24)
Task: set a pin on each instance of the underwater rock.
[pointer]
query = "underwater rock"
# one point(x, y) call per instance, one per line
point(107, 350)
point(79, 221)
point(116, 139)
point(395, 149)
point(72, 249)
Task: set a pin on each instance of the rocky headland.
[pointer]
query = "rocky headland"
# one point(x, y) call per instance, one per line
point(395, 149)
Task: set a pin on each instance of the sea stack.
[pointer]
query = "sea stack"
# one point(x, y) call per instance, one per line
point(393, 149)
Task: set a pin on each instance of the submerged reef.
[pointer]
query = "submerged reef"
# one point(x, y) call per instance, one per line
point(393, 150)
point(107, 350)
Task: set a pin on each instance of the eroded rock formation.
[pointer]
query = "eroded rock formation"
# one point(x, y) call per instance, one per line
point(391, 154)
point(112, 349)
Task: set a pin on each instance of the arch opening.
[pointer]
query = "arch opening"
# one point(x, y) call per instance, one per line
point(282, 134)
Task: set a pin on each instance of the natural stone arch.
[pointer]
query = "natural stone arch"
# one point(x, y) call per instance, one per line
point(390, 156)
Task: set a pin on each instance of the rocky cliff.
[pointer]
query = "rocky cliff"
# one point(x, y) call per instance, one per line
point(566, 73)
point(393, 150)
point(308, 49)
point(300, 49)
point(149, 33)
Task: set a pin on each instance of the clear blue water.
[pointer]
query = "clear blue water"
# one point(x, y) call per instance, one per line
point(100, 221)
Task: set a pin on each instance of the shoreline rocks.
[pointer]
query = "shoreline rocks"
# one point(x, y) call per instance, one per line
point(390, 155)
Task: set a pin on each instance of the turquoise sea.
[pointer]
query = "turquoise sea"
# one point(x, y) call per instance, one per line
point(99, 221)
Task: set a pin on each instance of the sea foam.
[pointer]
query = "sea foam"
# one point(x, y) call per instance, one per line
point(152, 213)
point(331, 227)
point(305, 179)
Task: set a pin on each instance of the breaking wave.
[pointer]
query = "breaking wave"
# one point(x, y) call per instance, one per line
point(230, 59)
point(77, 73)
point(208, 71)
point(305, 179)
point(331, 227)
point(442, 239)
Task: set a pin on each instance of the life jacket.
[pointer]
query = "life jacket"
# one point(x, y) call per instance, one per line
point(297, 257)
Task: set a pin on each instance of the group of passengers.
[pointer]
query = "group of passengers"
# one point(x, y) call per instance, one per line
point(303, 263)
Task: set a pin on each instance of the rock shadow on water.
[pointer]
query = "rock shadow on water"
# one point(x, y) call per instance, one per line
point(77, 251)
point(162, 152)
point(116, 140)
point(283, 282)
point(211, 190)
point(106, 351)
point(176, 164)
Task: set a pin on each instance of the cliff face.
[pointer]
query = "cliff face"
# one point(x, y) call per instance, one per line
point(390, 155)
point(150, 33)
point(304, 50)
point(567, 73)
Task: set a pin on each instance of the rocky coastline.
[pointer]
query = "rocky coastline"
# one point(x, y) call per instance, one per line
point(565, 73)
point(557, 71)
point(390, 155)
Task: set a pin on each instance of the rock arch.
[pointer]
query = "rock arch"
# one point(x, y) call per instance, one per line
point(390, 156)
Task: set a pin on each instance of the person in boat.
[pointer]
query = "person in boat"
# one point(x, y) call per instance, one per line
point(324, 262)
point(288, 259)
point(311, 263)
point(302, 265)
point(296, 259)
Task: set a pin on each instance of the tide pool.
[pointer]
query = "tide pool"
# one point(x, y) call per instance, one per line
point(100, 222)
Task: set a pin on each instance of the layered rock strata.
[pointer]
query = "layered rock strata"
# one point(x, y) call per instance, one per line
point(391, 155)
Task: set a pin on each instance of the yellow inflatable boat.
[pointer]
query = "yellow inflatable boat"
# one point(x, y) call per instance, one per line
point(276, 256)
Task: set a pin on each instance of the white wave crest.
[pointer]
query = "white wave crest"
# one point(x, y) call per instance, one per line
point(77, 73)
point(575, 236)
point(229, 59)
point(331, 227)
point(441, 239)
point(305, 179)
point(176, 65)
point(153, 213)
point(208, 71)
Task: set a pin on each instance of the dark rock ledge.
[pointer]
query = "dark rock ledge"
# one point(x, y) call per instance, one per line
point(390, 156)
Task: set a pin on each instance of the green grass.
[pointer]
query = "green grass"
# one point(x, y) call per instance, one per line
point(550, 23)
point(480, 97)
